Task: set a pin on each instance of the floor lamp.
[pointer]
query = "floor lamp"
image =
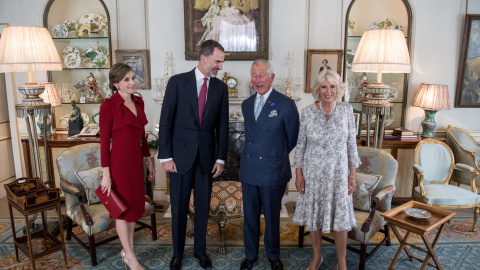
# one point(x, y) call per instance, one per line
point(380, 51)
point(26, 48)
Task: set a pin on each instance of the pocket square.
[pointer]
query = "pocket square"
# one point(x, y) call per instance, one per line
point(273, 113)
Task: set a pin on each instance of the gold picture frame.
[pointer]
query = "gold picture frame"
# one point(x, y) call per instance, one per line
point(139, 60)
point(314, 64)
point(203, 15)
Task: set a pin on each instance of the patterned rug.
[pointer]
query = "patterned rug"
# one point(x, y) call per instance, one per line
point(458, 249)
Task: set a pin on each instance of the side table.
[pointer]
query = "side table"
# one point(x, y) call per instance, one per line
point(29, 196)
point(397, 217)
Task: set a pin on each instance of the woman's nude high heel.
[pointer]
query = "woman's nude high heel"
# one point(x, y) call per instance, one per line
point(138, 266)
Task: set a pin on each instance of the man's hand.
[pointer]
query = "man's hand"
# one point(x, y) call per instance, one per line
point(217, 169)
point(169, 166)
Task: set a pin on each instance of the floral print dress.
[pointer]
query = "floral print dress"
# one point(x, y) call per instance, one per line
point(326, 150)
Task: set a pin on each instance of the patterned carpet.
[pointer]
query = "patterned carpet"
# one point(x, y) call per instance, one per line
point(458, 249)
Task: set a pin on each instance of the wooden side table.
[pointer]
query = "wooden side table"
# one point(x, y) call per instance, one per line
point(29, 196)
point(397, 217)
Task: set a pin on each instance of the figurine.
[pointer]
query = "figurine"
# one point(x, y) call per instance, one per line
point(91, 89)
point(75, 123)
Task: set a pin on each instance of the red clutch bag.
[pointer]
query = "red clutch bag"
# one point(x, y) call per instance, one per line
point(113, 204)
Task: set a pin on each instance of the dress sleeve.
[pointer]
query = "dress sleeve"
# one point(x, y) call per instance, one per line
point(106, 121)
point(353, 159)
point(301, 142)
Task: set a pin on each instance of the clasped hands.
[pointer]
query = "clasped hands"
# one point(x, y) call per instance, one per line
point(170, 166)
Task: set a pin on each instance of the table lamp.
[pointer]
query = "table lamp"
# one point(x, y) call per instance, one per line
point(380, 51)
point(431, 98)
point(50, 95)
point(27, 48)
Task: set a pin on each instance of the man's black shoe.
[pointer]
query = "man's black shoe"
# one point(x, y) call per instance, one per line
point(247, 264)
point(175, 263)
point(204, 261)
point(277, 264)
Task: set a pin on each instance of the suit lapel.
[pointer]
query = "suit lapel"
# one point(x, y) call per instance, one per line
point(270, 104)
point(191, 89)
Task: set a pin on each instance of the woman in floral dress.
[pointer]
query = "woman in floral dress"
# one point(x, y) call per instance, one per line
point(325, 162)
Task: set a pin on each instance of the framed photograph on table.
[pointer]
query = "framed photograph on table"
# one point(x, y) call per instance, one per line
point(468, 88)
point(358, 122)
point(240, 26)
point(318, 60)
point(139, 60)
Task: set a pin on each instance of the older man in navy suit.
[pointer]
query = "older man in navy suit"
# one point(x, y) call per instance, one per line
point(193, 144)
point(271, 130)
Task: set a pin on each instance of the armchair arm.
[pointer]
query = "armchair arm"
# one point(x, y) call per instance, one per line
point(368, 221)
point(148, 199)
point(72, 190)
point(417, 168)
point(88, 218)
point(384, 198)
point(463, 167)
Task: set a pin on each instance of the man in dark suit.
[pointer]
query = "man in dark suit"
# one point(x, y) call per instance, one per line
point(193, 142)
point(271, 131)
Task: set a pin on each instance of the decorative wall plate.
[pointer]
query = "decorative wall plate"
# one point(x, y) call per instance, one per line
point(70, 49)
point(71, 25)
point(72, 60)
point(79, 85)
point(85, 119)
point(392, 94)
point(59, 31)
point(64, 121)
point(83, 31)
point(100, 60)
point(96, 118)
point(93, 20)
point(67, 95)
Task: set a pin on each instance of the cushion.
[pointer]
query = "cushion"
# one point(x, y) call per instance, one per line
point(447, 195)
point(91, 180)
point(362, 196)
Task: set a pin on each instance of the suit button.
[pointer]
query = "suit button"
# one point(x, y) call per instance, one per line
point(249, 142)
point(260, 157)
point(248, 155)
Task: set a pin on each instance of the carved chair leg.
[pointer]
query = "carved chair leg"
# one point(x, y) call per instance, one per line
point(93, 252)
point(475, 218)
point(387, 235)
point(363, 256)
point(221, 227)
point(69, 228)
point(153, 220)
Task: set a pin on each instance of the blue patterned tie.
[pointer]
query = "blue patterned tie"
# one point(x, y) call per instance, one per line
point(259, 108)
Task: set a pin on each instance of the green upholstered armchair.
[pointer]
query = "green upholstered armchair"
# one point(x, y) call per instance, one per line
point(466, 150)
point(378, 162)
point(434, 165)
point(91, 218)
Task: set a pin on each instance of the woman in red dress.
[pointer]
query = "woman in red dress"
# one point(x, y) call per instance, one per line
point(123, 120)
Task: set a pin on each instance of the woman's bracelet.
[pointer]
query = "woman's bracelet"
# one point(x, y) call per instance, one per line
point(353, 177)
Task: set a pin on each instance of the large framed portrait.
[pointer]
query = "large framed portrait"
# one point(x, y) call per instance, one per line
point(139, 60)
point(241, 26)
point(468, 87)
point(318, 60)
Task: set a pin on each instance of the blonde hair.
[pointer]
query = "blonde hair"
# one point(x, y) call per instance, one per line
point(333, 78)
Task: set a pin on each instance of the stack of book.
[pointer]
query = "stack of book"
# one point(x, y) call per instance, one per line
point(404, 133)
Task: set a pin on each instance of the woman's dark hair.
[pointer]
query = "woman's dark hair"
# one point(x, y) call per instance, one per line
point(117, 73)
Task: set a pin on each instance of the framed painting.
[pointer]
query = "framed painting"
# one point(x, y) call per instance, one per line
point(318, 60)
point(467, 94)
point(358, 122)
point(241, 26)
point(139, 60)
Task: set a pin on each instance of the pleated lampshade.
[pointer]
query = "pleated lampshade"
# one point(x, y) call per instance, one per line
point(28, 48)
point(50, 95)
point(383, 50)
point(432, 97)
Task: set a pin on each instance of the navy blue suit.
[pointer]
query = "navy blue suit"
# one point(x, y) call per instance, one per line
point(265, 168)
point(194, 149)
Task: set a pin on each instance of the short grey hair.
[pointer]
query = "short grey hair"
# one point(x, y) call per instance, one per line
point(333, 78)
point(265, 63)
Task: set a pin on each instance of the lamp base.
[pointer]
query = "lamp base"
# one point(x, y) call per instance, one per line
point(429, 124)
